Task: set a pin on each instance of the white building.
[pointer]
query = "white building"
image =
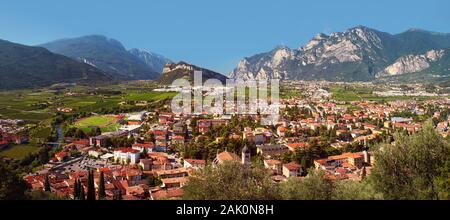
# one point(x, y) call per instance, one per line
point(125, 155)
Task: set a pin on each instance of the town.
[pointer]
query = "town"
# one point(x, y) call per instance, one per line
point(150, 154)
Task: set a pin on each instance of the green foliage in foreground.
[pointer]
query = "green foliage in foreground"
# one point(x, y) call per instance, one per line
point(230, 181)
point(12, 187)
point(253, 183)
point(415, 167)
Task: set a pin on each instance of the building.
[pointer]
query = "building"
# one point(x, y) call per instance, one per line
point(281, 131)
point(225, 156)
point(102, 140)
point(274, 165)
point(80, 144)
point(245, 156)
point(344, 160)
point(173, 173)
point(166, 194)
point(177, 140)
point(192, 163)
point(148, 146)
point(176, 182)
point(205, 125)
point(292, 170)
point(3, 144)
point(294, 146)
point(62, 156)
point(95, 153)
point(271, 150)
point(125, 155)
point(146, 164)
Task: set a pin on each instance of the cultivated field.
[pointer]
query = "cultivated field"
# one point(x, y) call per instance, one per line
point(19, 151)
point(105, 122)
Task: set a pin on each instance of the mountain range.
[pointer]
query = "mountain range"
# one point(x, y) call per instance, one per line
point(357, 54)
point(110, 56)
point(24, 67)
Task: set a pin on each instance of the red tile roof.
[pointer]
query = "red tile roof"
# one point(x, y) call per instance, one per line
point(194, 161)
point(292, 166)
point(127, 150)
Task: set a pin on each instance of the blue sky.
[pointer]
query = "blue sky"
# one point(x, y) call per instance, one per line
point(212, 33)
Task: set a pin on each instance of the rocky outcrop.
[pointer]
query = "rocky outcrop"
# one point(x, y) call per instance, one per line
point(172, 72)
point(357, 54)
point(412, 63)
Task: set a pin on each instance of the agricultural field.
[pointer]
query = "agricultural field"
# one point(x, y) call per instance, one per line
point(287, 93)
point(105, 122)
point(25, 104)
point(19, 151)
point(360, 93)
point(148, 96)
point(36, 106)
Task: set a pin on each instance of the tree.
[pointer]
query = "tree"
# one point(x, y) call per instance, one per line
point(249, 183)
point(47, 184)
point(82, 196)
point(315, 186)
point(413, 167)
point(12, 187)
point(144, 152)
point(98, 131)
point(79, 134)
point(76, 190)
point(363, 173)
point(153, 181)
point(353, 190)
point(101, 186)
point(119, 196)
point(91, 186)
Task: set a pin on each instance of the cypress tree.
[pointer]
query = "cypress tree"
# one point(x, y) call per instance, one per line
point(144, 152)
point(119, 197)
point(363, 173)
point(91, 186)
point(76, 191)
point(101, 186)
point(47, 184)
point(81, 187)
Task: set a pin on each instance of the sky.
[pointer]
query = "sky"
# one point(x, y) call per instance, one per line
point(214, 34)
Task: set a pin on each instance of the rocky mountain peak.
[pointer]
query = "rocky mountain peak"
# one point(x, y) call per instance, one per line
point(358, 53)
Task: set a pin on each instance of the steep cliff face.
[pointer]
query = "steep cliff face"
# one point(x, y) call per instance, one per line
point(358, 54)
point(274, 64)
point(412, 63)
point(182, 70)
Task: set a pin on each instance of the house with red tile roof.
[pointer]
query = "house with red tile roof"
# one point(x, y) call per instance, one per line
point(292, 170)
point(3, 144)
point(274, 165)
point(149, 146)
point(226, 156)
point(294, 146)
point(164, 194)
point(193, 163)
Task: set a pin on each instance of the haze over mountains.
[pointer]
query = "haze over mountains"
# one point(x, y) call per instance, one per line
point(358, 54)
point(24, 66)
point(110, 56)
